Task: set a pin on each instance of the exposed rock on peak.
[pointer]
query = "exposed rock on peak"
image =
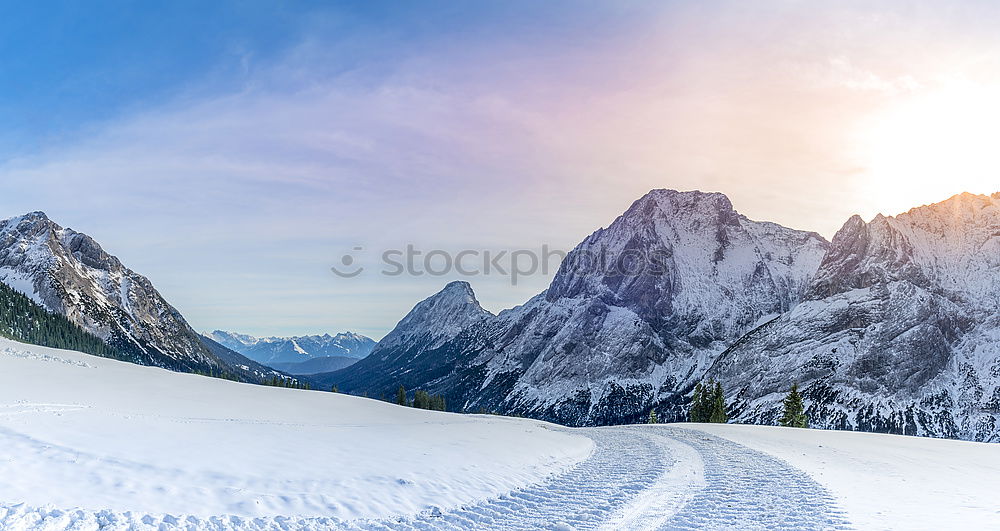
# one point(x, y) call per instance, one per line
point(675, 257)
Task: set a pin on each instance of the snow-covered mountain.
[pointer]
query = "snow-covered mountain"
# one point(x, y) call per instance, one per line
point(900, 330)
point(894, 326)
point(284, 350)
point(67, 272)
point(411, 354)
point(636, 313)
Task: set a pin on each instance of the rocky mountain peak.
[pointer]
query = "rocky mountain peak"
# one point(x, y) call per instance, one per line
point(443, 314)
point(31, 218)
point(944, 244)
point(690, 199)
point(899, 331)
point(676, 258)
point(67, 272)
point(695, 207)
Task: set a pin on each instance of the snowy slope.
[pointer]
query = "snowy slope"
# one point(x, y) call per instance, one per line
point(92, 443)
point(84, 432)
point(888, 481)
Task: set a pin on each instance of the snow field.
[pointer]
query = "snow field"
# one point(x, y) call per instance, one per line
point(93, 444)
point(85, 433)
point(888, 481)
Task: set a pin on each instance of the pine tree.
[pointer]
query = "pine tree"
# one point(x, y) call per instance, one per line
point(421, 400)
point(718, 414)
point(334, 389)
point(696, 412)
point(437, 403)
point(794, 415)
point(708, 403)
point(652, 418)
point(21, 319)
point(401, 396)
point(703, 402)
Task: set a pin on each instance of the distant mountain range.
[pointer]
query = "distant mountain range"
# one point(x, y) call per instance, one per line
point(894, 326)
point(319, 365)
point(288, 352)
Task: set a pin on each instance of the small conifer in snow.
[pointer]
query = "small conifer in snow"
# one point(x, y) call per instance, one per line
point(794, 415)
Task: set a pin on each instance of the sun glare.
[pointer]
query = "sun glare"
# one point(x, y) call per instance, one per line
point(932, 146)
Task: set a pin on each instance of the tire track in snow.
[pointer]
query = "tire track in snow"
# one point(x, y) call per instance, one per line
point(746, 490)
point(673, 490)
point(654, 478)
point(639, 477)
point(625, 464)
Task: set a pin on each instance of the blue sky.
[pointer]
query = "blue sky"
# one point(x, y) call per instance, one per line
point(84, 62)
point(89, 61)
point(233, 152)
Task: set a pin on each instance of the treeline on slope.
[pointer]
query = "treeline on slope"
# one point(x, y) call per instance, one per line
point(22, 319)
point(289, 383)
point(421, 400)
point(708, 405)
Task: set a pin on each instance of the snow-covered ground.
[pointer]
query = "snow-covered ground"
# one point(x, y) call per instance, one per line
point(81, 432)
point(888, 481)
point(89, 443)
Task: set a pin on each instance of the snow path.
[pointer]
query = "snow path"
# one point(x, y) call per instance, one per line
point(747, 489)
point(625, 463)
point(654, 478)
point(638, 477)
point(887, 481)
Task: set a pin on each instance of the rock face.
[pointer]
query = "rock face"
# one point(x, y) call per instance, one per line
point(634, 317)
point(900, 330)
point(291, 350)
point(67, 272)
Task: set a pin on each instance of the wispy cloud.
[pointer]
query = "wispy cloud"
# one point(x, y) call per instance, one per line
point(228, 198)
